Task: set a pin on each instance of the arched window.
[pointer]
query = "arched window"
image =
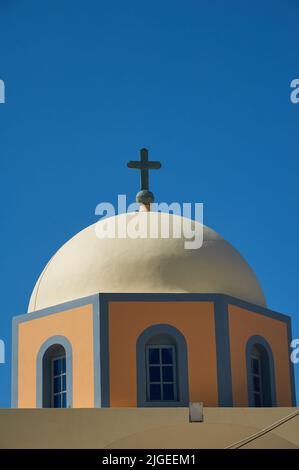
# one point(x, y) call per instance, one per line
point(54, 377)
point(162, 368)
point(54, 374)
point(260, 372)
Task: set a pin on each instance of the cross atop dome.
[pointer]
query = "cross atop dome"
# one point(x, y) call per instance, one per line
point(144, 197)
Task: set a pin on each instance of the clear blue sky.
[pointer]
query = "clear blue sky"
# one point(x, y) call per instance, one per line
point(203, 84)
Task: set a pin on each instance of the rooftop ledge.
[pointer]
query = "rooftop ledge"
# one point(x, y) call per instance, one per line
point(148, 428)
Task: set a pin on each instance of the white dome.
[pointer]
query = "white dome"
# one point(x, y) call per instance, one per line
point(87, 264)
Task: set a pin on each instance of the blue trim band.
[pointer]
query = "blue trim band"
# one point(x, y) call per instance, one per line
point(292, 372)
point(96, 353)
point(15, 363)
point(104, 353)
point(224, 376)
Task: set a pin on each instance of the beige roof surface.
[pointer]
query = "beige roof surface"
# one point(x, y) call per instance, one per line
point(149, 428)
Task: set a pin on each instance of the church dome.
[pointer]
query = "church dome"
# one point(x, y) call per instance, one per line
point(88, 264)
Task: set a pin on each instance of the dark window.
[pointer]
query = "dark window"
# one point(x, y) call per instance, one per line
point(54, 377)
point(161, 373)
point(59, 382)
point(260, 377)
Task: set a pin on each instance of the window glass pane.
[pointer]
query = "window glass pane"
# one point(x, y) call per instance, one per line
point(167, 356)
point(153, 356)
point(168, 392)
point(64, 382)
point(57, 401)
point(63, 365)
point(154, 374)
point(167, 373)
point(57, 384)
point(155, 392)
point(256, 384)
point(160, 373)
point(257, 399)
point(57, 366)
point(63, 404)
point(255, 366)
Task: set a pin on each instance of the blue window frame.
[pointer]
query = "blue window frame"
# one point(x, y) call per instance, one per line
point(161, 373)
point(59, 390)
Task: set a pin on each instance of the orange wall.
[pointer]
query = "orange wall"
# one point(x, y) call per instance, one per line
point(242, 325)
point(195, 320)
point(77, 325)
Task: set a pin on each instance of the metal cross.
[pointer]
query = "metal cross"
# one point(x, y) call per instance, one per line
point(144, 165)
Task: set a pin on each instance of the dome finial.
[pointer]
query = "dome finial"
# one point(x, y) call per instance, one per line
point(144, 197)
